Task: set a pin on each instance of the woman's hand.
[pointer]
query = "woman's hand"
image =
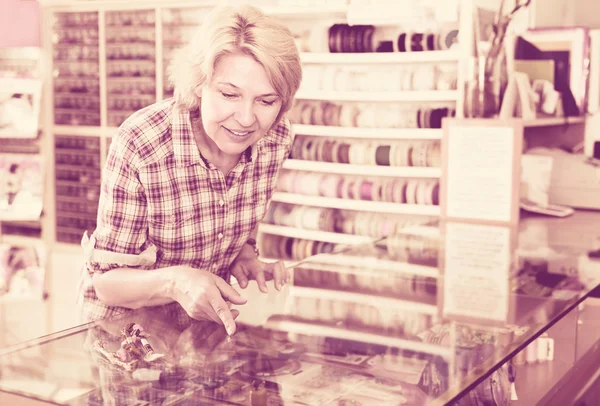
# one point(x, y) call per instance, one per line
point(248, 267)
point(204, 296)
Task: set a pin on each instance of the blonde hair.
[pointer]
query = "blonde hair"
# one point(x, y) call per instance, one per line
point(228, 30)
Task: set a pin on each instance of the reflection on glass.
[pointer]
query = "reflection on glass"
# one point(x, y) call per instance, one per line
point(357, 326)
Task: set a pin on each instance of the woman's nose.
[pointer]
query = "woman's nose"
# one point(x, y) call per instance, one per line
point(245, 114)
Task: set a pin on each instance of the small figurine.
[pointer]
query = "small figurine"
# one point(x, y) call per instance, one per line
point(134, 348)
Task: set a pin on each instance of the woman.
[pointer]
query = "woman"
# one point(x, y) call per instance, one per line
point(188, 179)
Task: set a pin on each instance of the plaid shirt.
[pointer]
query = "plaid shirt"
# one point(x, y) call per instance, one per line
point(163, 204)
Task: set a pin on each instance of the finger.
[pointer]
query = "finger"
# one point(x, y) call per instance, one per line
point(260, 281)
point(242, 279)
point(221, 308)
point(279, 274)
point(235, 313)
point(239, 274)
point(272, 270)
point(228, 292)
point(202, 315)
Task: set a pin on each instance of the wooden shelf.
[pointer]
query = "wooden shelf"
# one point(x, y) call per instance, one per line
point(312, 329)
point(315, 235)
point(363, 170)
point(553, 121)
point(404, 96)
point(78, 130)
point(359, 205)
point(379, 57)
point(374, 263)
point(345, 296)
point(322, 11)
point(370, 133)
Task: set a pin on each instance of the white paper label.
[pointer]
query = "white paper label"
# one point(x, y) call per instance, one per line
point(480, 173)
point(476, 273)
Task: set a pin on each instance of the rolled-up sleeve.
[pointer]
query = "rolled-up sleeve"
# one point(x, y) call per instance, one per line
point(120, 238)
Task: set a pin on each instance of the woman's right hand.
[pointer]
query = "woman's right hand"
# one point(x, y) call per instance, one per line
point(204, 296)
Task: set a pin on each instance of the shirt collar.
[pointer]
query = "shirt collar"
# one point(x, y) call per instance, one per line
point(185, 148)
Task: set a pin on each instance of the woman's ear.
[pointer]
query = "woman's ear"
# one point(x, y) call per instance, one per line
point(198, 91)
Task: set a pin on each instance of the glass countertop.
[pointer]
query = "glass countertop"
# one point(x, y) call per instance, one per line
point(422, 318)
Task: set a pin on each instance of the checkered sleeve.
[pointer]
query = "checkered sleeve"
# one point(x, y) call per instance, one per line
point(120, 238)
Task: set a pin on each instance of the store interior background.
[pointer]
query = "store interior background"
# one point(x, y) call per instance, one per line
point(20, 27)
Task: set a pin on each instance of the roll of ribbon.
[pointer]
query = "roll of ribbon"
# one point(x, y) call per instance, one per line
point(382, 155)
point(319, 149)
point(429, 192)
point(332, 37)
point(422, 191)
point(377, 194)
point(399, 191)
point(388, 187)
point(411, 191)
point(368, 38)
point(306, 113)
point(366, 190)
point(307, 147)
point(416, 42)
point(448, 37)
point(435, 194)
point(317, 115)
point(327, 155)
point(430, 41)
point(434, 157)
point(401, 43)
point(329, 185)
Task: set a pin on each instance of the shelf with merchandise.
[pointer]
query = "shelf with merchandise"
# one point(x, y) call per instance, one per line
point(404, 96)
point(84, 131)
point(553, 121)
point(362, 58)
point(339, 238)
point(364, 170)
point(315, 235)
point(362, 298)
point(377, 264)
point(310, 328)
point(369, 133)
point(358, 205)
point(374, 263)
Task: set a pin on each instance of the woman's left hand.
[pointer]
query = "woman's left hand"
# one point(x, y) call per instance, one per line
point(248, 267)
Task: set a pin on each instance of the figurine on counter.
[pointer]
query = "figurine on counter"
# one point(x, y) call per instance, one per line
point(188, 179)
point(134, 348)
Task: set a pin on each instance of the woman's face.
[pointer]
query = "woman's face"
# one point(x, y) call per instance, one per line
point(239, 105)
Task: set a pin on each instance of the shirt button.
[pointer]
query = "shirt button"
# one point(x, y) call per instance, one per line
point(220, 236)
point(221, 202)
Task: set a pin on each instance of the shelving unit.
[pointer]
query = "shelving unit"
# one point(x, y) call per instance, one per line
point(369, 133)
point(379, 58)
point(157, 27)
point(316, 235)
point(312, 329)
point(358, 205)
point(407, 305)
point(404, 96)
point(365, 170)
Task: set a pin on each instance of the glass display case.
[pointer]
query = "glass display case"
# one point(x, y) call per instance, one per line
point(354, 328)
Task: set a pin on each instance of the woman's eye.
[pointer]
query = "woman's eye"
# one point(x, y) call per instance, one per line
point(268, 102)
point(228, 95)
